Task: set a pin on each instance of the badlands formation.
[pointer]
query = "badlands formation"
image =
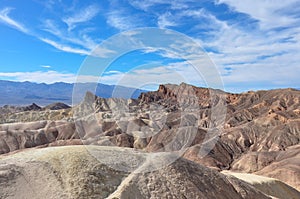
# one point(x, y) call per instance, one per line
point(180, 141)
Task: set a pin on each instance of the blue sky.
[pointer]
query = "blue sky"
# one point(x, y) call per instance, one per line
point(254, 44)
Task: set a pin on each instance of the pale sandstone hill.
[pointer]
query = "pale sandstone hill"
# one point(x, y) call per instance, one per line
point(14, 109)
point(96, 172)
point(270, 186)
point(285, 167)
point(55, 111)
point(32, 134)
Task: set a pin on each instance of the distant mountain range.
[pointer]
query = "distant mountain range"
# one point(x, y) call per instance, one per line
point(24, 93)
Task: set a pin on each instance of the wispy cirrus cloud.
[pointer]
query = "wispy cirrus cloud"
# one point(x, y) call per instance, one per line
point(81, 39)
point(65, 40)
point(166, 20)
point(271, 48)
point(271, 14)
point(81, 16)
point(72, 42)
point(4, 18)
point(268, 44)
point(50, 26)
point(146, 5)
point(65, 48)
point(76, 41)
point(120, 21)
point(245, 55)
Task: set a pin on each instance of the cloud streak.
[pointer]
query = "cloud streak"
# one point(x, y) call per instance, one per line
point(65, 48)
point(4, 18)
point(81, 16)
point(65, 40)
point(165, 20)
point(118, 20)
point(271, 14)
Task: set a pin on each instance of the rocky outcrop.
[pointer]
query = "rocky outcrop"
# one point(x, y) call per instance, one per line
point(55, 111)
point(14, 109)
point(56, 106)
point(27, 135)
point(285, 167)
point(96, 172)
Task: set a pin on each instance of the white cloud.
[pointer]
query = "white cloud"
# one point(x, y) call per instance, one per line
point(145, 5)
point(112, 72)
point(39, 76)
point(261, 57)
point(140, 77)
point(257, 58)
point(270, 13)
point(102, 52)
point(66, 39)
point(45, 66)
point(82, 39)
point(166, 20)
point(87, 46)
point(271, 47)
point(4, 18)
point(51, 27)
point(252, 58)
point(120, 21)
point(47, 77)
point(65, 48)
point(83, 15)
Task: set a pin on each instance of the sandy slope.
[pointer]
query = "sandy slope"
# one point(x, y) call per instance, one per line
point(100, 172)
point(269, 186)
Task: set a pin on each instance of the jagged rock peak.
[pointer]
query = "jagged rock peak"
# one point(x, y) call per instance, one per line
point(89, 97)
point(56, 106)
point(174, 92)
point(33, 106)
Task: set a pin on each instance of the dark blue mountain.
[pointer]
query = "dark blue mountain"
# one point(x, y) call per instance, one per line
point(23, 93)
